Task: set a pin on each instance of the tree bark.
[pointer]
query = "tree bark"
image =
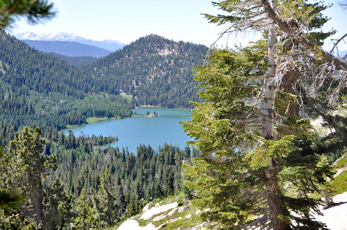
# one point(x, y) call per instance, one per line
point(276, 207)
point(270, 87)
point(36, 195)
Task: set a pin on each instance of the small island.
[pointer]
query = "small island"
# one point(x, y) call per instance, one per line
point(154, 114)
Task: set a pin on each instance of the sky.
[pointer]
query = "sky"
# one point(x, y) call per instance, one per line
point(128, 20)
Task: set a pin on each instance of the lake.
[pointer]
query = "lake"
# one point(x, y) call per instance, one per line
point(133, 131)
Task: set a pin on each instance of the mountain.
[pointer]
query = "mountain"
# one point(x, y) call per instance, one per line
point(71, 49)
point(154, 70)
point(110, 45)
point(37, 89)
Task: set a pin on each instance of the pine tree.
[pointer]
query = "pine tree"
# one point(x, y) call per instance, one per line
point(29, 166)
point(10, 199)
point(34, 11)
point(249, 128)
point(83, 208)
point(243, 174)
point(105, 203)
point(58, 207)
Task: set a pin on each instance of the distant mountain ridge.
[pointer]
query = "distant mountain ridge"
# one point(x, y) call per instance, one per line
point(110, 45)
point(71, 49)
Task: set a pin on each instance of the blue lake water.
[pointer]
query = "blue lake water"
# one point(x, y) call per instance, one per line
point(132, 132)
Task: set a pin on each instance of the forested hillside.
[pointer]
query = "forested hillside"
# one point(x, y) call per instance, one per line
point(154, 70)
point(263, 160)
point(61, 181)
point(76, 61)
point(77, 183)
point(39, 90)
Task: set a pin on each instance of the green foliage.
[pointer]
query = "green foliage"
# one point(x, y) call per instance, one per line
point(119, 183)
point(154, 70)
point(29, 165)
point(75, 61)
point(58, 206)
point(84, 219)
point(253, 141)
point(39, 90)
point(342, 162)
point(224, 90)
point(238, 166)
point(34, 11)
point(10, 198)
point(339, 183)
point(183, 223)
point(105, 203)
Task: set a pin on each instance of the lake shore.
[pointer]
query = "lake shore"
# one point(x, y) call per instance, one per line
point(140, 129)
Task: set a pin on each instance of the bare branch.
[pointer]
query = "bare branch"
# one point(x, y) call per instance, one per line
point(338, 62)
point(337, 42)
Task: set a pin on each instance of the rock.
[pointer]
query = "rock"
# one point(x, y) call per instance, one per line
point(146, 207)
point(159, 217)
point(157, 209)
point(129, 224)
point(172, 212)
point(133, 225)
point(182, 209)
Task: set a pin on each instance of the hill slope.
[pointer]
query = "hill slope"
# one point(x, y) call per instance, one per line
point(72, 49)
point(37, 89)
point(155, 70)
point(75, 61)
point(166, 215)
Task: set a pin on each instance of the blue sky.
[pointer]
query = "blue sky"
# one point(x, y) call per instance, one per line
point(127, 20)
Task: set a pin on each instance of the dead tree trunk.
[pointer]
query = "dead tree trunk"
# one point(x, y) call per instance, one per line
point(275, 205)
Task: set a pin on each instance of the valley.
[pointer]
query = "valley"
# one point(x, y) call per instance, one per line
point(140, 153)
point(33, 81)
point(248, 133)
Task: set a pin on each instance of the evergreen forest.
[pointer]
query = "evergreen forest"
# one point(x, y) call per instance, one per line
point(257, 159)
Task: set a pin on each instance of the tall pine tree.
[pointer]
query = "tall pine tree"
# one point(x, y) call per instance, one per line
point(254, 170)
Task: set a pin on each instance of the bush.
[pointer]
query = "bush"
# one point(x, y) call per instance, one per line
point(342, 162)
point(339, 184)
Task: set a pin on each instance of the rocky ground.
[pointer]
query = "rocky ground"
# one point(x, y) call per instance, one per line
point(164, 216)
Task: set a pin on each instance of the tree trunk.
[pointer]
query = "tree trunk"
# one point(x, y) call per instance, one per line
point(328, 201)
point(328, 57)
point(275, 205)
point(270, 88)
point(289, 80)
point(37, 203)
point(36, 196)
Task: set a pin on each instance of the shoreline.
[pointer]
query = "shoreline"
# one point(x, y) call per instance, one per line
point(92, 120)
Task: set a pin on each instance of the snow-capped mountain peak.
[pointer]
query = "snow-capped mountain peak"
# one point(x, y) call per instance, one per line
point(111, 45)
